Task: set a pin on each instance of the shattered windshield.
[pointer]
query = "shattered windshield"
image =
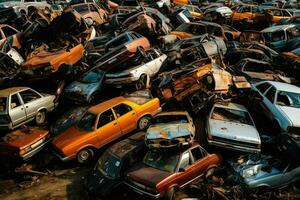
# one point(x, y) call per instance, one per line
point(290, 99)
point(92, 76)
point(3, 104)
point(162, 119)
point(109, 165)
point(231, 115)
point(162, 161)
point(87, 123)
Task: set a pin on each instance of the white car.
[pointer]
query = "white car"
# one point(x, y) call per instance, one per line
point(23, 5)
point(231, 126)
point(138, 74)
point(281, 102)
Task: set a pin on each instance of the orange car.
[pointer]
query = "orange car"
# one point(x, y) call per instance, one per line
point(279, 14)
point(104, 123)
point(91, 11)
point(161, 173)
point(245, 13)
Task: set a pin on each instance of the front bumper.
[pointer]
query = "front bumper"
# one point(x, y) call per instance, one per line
point(35, 150)
point(143, 192)
point(234, 147)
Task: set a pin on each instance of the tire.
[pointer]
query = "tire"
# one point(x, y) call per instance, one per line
point(141, 83)
point(143, 123)
point(85, 155)
point(40, 117)
point(170, 194)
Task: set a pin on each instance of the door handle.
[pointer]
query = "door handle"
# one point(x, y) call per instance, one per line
point(133, 113)
point(26, 106)
point(115, 123)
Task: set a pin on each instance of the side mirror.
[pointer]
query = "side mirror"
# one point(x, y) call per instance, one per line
point(181, 170)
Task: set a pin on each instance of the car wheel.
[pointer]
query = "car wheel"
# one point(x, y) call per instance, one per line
point(143, 123)
point(141, 83)
point(85, 155)
point(40, 117)
point(170, 194)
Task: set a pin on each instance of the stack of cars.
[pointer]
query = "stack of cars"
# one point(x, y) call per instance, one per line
point(158, 92)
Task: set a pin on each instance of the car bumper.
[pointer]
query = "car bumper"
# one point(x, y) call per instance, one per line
point(234, 146)
point(34, 151)
point(143, 192)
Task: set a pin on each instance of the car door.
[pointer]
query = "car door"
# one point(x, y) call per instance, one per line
point(16, 108)
point(108, 128)
point(269, 101)
point(200, 161)
point(32, 102)
point(126, 117)
point(184, 170)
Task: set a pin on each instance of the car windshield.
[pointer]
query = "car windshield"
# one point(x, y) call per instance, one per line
point(231, 115)
point(290, 99)
point(87, 122)
point(162, 161)
point(3, 104)
point(274, 36)
point(92, 76)
point(162, 119)
point(109, 165)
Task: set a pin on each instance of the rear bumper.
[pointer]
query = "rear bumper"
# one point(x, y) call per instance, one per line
point(143, 192)
point(234, 146)
point(34, 151)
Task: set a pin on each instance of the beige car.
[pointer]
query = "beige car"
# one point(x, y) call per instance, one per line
point(91, 11)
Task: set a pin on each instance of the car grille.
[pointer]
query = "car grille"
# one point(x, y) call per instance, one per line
point(234, 142)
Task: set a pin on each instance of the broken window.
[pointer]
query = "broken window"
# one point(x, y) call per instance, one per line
point(29, 95)
point(82, 8)
point(231, 115)
point(87, 123)
point(256, 67)
point(290, 99)
point(105, 118)
point(14, 101)
point(196, 153)
point(263, 87)
point(122, 109)
point(3, 104)
point(163, 119)
point(185, 160)
point(271, 94)
point(109, 165)
point(162, 161)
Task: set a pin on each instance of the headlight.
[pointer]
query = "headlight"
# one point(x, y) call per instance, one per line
point(248, 173)
point(25, 150)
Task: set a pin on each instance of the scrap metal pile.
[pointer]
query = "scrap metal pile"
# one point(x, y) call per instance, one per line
point(81, 77)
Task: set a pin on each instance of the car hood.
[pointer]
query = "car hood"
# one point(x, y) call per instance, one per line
point(292, 113)
point(71, 135)
point(168, 131)
point(80, 88)
point(234, 131)
point(147, 176)
point(20, 138)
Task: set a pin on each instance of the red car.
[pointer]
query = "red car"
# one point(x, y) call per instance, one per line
point(161, 173)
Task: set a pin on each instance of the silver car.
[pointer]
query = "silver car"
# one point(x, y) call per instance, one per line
point(19, 105)
point(231, 126)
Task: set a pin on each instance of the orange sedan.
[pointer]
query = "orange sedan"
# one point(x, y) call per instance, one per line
point(104, 123)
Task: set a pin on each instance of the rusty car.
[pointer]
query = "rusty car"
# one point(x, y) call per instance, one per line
point(170, 129)
point(169, 171)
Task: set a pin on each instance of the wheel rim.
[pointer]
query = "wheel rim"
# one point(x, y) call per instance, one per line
point(84, 155)
point(144, 123)
point(40, 117)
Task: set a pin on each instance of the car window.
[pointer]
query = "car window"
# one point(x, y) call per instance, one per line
point(90, 1)
point(3, 101)
point(82, 8)
point(93, 8)
point(185, 160)
point(122, 109)
point(290, 99)
point(231, 115)
point(214, 30)
point(285, 13)
point(118, 42)
point(87, 122)
point(271, 94)
point(255, 9)
point(293, 33)
point(276, 12)
point(8, 31)
point(256, 67)
point(278, 36)
point(29, 96)
point(105, 118)
point(166, 119)
point(14, 101)
point(247, 9)
point(196, 153)
point(263, 87)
